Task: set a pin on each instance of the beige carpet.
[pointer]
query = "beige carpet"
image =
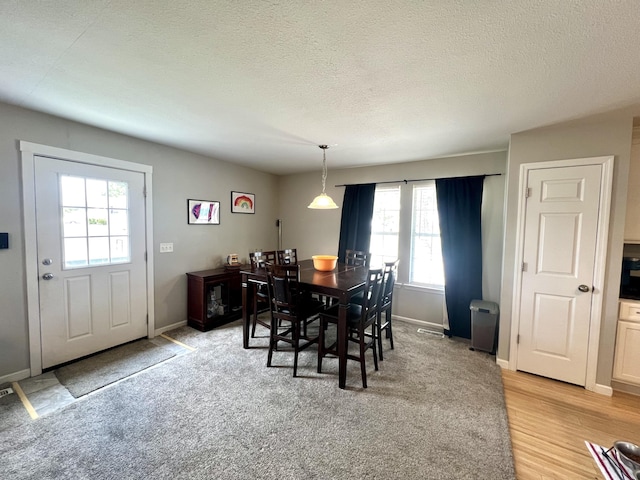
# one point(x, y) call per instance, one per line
point(434, 410)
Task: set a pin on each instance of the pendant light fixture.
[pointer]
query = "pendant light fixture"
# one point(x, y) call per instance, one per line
point(323, 201)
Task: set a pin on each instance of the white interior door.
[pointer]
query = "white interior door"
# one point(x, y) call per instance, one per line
point(559, 252)
point(90, 223)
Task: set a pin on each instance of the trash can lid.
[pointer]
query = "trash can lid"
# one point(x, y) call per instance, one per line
point(484, 306)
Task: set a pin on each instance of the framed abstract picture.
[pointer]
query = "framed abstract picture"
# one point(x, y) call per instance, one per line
point(203, 212)
point(243, 202)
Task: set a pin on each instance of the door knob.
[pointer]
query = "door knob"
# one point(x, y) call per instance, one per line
point(47, 276)
point(583, 288)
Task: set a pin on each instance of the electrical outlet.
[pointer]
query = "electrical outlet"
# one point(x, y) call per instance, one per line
point(166, 247)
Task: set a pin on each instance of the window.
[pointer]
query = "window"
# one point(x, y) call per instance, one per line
point(385, 225)
point(426, 251)
point(96, 221)
point(418, 234)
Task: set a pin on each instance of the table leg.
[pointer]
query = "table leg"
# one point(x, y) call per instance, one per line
point(342, 344)
point(247, 300)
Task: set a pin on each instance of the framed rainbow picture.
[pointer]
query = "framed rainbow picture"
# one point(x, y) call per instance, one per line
point(243, 202)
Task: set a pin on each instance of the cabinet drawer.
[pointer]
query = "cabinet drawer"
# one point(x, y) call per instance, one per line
point(629, 311)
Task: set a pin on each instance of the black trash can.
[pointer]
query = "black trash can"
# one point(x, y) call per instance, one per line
point(484, 325)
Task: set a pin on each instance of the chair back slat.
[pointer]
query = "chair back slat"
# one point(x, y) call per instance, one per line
point(287, 256)
point(283, 283)
point(357, 258)
point(259, 259)
point(372, 291)
point(389, 280)
point(281, 295)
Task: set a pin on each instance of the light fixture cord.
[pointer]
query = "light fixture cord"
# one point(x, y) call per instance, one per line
point(324, 168)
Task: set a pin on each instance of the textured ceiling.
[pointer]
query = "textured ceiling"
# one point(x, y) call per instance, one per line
point(262, 83)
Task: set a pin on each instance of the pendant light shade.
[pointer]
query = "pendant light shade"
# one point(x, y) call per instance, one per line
point(323, 201)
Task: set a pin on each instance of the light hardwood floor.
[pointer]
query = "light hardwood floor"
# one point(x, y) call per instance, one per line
point(550, 420)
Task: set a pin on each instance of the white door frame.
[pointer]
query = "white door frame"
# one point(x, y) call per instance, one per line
point(604, 210)
point(28, 153)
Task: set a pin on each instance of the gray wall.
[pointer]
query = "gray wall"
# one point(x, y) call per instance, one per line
point(180, 175)
point(317, 231)
point(600, 135)
point(177, 176)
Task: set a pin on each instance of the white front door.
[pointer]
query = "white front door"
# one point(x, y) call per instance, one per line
point(90, 223)
point(559, 254)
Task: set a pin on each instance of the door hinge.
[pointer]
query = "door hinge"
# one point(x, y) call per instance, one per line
point(145, 256)
point(524, 266)
point(527, 192)
point(144, 191)
point(518, 340)
point(147, 319)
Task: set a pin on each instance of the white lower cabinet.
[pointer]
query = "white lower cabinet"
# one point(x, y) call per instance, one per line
point(626, 367)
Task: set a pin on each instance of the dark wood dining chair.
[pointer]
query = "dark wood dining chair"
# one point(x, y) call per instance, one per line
point(291, 311)
point(261, 298)
point(357, 257)
point(287, 256)
point(383, 322)
point(361, 322)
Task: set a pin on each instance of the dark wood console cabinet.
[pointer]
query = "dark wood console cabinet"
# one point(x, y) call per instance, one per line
point(225, 285)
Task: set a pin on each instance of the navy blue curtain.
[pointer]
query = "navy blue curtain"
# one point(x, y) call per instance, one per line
point(459, 209)
point(357, 212)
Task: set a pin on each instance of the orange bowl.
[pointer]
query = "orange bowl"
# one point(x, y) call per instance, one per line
point(324, 263)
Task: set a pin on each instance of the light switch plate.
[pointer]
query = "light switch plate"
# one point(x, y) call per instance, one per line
point(166, 247)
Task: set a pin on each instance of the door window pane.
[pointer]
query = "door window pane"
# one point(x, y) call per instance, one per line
point(95, 221)
point(98, 250)
point(75, 252)
point(118, 197)
point(119, 249)
point(72, 189)
point(118, 222)
point(98, 222)
point(97, 193)
point(74, 221)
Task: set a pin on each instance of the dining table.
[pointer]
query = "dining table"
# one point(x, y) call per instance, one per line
point(341, 284)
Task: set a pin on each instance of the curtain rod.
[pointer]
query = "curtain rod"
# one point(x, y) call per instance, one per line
point(417, 180)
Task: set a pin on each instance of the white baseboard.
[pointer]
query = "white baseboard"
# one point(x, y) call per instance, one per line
point(429, 325)
point(432, 326)
point(600, 389)
point(161, 330)
point(502, 363)
point(617, 385)
point(603, 390)
point(16, 376)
